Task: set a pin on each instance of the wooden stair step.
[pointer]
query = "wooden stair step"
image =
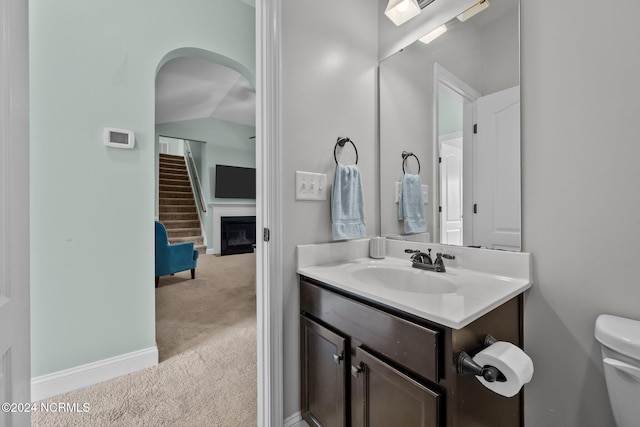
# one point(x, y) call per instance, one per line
point(173, 181)
point(170, 158)
point(173, 166)
point(183, 232)
point(191, 209)
point(175, 195)
point(181, 223)
point(173, 174)
point(199, 240)
point(168, 187)
point(177, 201)
point(178, 216)
point(173, 171)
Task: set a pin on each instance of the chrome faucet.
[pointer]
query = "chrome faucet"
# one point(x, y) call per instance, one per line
point(419, 257)
point(423, 261)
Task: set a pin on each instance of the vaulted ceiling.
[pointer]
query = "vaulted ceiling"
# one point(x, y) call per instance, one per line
point(194, 88)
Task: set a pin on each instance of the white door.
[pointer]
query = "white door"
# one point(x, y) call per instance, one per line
point(15, 376)
point(451, 190)
point(496, 193)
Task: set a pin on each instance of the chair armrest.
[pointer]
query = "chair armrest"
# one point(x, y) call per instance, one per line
point(182, 250)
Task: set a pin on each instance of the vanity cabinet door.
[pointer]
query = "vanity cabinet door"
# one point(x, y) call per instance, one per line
point(324, 375)
point(383, 396)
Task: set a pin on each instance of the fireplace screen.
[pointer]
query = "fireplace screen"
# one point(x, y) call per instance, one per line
point(238, 234)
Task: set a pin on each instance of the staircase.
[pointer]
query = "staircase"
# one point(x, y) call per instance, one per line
point(177, 206)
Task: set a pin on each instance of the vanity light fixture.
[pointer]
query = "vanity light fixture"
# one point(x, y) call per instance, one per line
point(400, 11)
point(431, 36)
point(473, 10)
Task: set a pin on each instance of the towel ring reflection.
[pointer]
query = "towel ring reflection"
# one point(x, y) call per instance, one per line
point(342, 140)
point(407, 154)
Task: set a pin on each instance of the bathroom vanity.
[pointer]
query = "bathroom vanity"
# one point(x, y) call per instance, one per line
point(372, 358)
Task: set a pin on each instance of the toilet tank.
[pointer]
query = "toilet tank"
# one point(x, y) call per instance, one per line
point(620, 339)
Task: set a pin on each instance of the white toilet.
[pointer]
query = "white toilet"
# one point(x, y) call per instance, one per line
point(620, 339)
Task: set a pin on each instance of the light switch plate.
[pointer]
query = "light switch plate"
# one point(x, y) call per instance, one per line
point(311, 186)
point(425, 193)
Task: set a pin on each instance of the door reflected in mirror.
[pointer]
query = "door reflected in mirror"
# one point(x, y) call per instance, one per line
point(455, 104)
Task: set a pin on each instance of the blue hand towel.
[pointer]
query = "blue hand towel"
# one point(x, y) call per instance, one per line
point(411, 204)
point(347, 203)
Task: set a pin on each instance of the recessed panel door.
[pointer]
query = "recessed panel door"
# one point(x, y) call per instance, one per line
point(496, 176)
point(323, 375)
point(382, 396)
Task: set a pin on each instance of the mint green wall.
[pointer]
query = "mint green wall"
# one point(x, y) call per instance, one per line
point(93, 64)
point(225, 143)
point(449, 113)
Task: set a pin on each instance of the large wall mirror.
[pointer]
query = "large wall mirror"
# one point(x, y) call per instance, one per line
point(454, 104)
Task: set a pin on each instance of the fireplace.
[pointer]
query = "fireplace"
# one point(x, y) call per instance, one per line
point(238, 234)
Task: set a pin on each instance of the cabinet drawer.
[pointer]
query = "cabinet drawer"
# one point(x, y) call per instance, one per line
point(413, 346)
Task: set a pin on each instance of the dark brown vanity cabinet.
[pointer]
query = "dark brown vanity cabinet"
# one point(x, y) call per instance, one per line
point(382, 396)
point(324, 378)
point(364, 364)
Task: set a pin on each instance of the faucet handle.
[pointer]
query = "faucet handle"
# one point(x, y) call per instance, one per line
point(439, 257)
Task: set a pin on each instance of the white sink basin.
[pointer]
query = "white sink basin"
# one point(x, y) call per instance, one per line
point(454, 298)
point(404, 279)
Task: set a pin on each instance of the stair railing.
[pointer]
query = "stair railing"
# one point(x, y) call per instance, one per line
point(195, 179)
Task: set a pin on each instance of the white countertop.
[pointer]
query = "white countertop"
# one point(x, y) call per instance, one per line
point(473, 292)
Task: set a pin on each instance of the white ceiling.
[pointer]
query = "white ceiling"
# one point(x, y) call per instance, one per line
point(194, 88)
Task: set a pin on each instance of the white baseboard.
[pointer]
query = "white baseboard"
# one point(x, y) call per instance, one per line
point(294, 420)
point(210, 252)
point(49, 385)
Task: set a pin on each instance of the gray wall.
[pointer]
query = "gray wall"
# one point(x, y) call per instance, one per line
point(328, 90)
point(579, 155)
point(580, 152)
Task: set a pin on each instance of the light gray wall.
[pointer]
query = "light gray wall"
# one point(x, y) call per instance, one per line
point(329, 58)
point(500, 54)
point(581, 178)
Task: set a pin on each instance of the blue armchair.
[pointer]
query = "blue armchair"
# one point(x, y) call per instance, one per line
point(173, 258)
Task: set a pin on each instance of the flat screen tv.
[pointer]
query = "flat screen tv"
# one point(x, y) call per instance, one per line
point(233, 182)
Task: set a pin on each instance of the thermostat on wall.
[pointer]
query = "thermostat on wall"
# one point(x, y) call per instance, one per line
point(119, 138)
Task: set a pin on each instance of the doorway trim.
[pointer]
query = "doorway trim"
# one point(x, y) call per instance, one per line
point(15, 360)
point(443, 76)
point(269, 274)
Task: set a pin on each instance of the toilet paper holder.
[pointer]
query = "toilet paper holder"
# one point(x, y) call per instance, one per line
point(466, 365)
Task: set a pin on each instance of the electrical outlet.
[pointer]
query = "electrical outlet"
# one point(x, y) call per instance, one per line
point(311, 186)
point(425, 193)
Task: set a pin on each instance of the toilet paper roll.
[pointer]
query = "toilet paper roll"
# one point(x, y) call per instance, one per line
point(377, 247)
point(514, 364)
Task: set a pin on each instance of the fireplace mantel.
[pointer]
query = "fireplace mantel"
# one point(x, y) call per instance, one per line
point(221, 209)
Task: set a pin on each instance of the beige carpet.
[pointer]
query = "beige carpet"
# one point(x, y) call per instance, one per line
point(206, 335)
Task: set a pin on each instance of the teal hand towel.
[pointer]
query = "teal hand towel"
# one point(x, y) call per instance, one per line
point(347, 203)
point(411, 204)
